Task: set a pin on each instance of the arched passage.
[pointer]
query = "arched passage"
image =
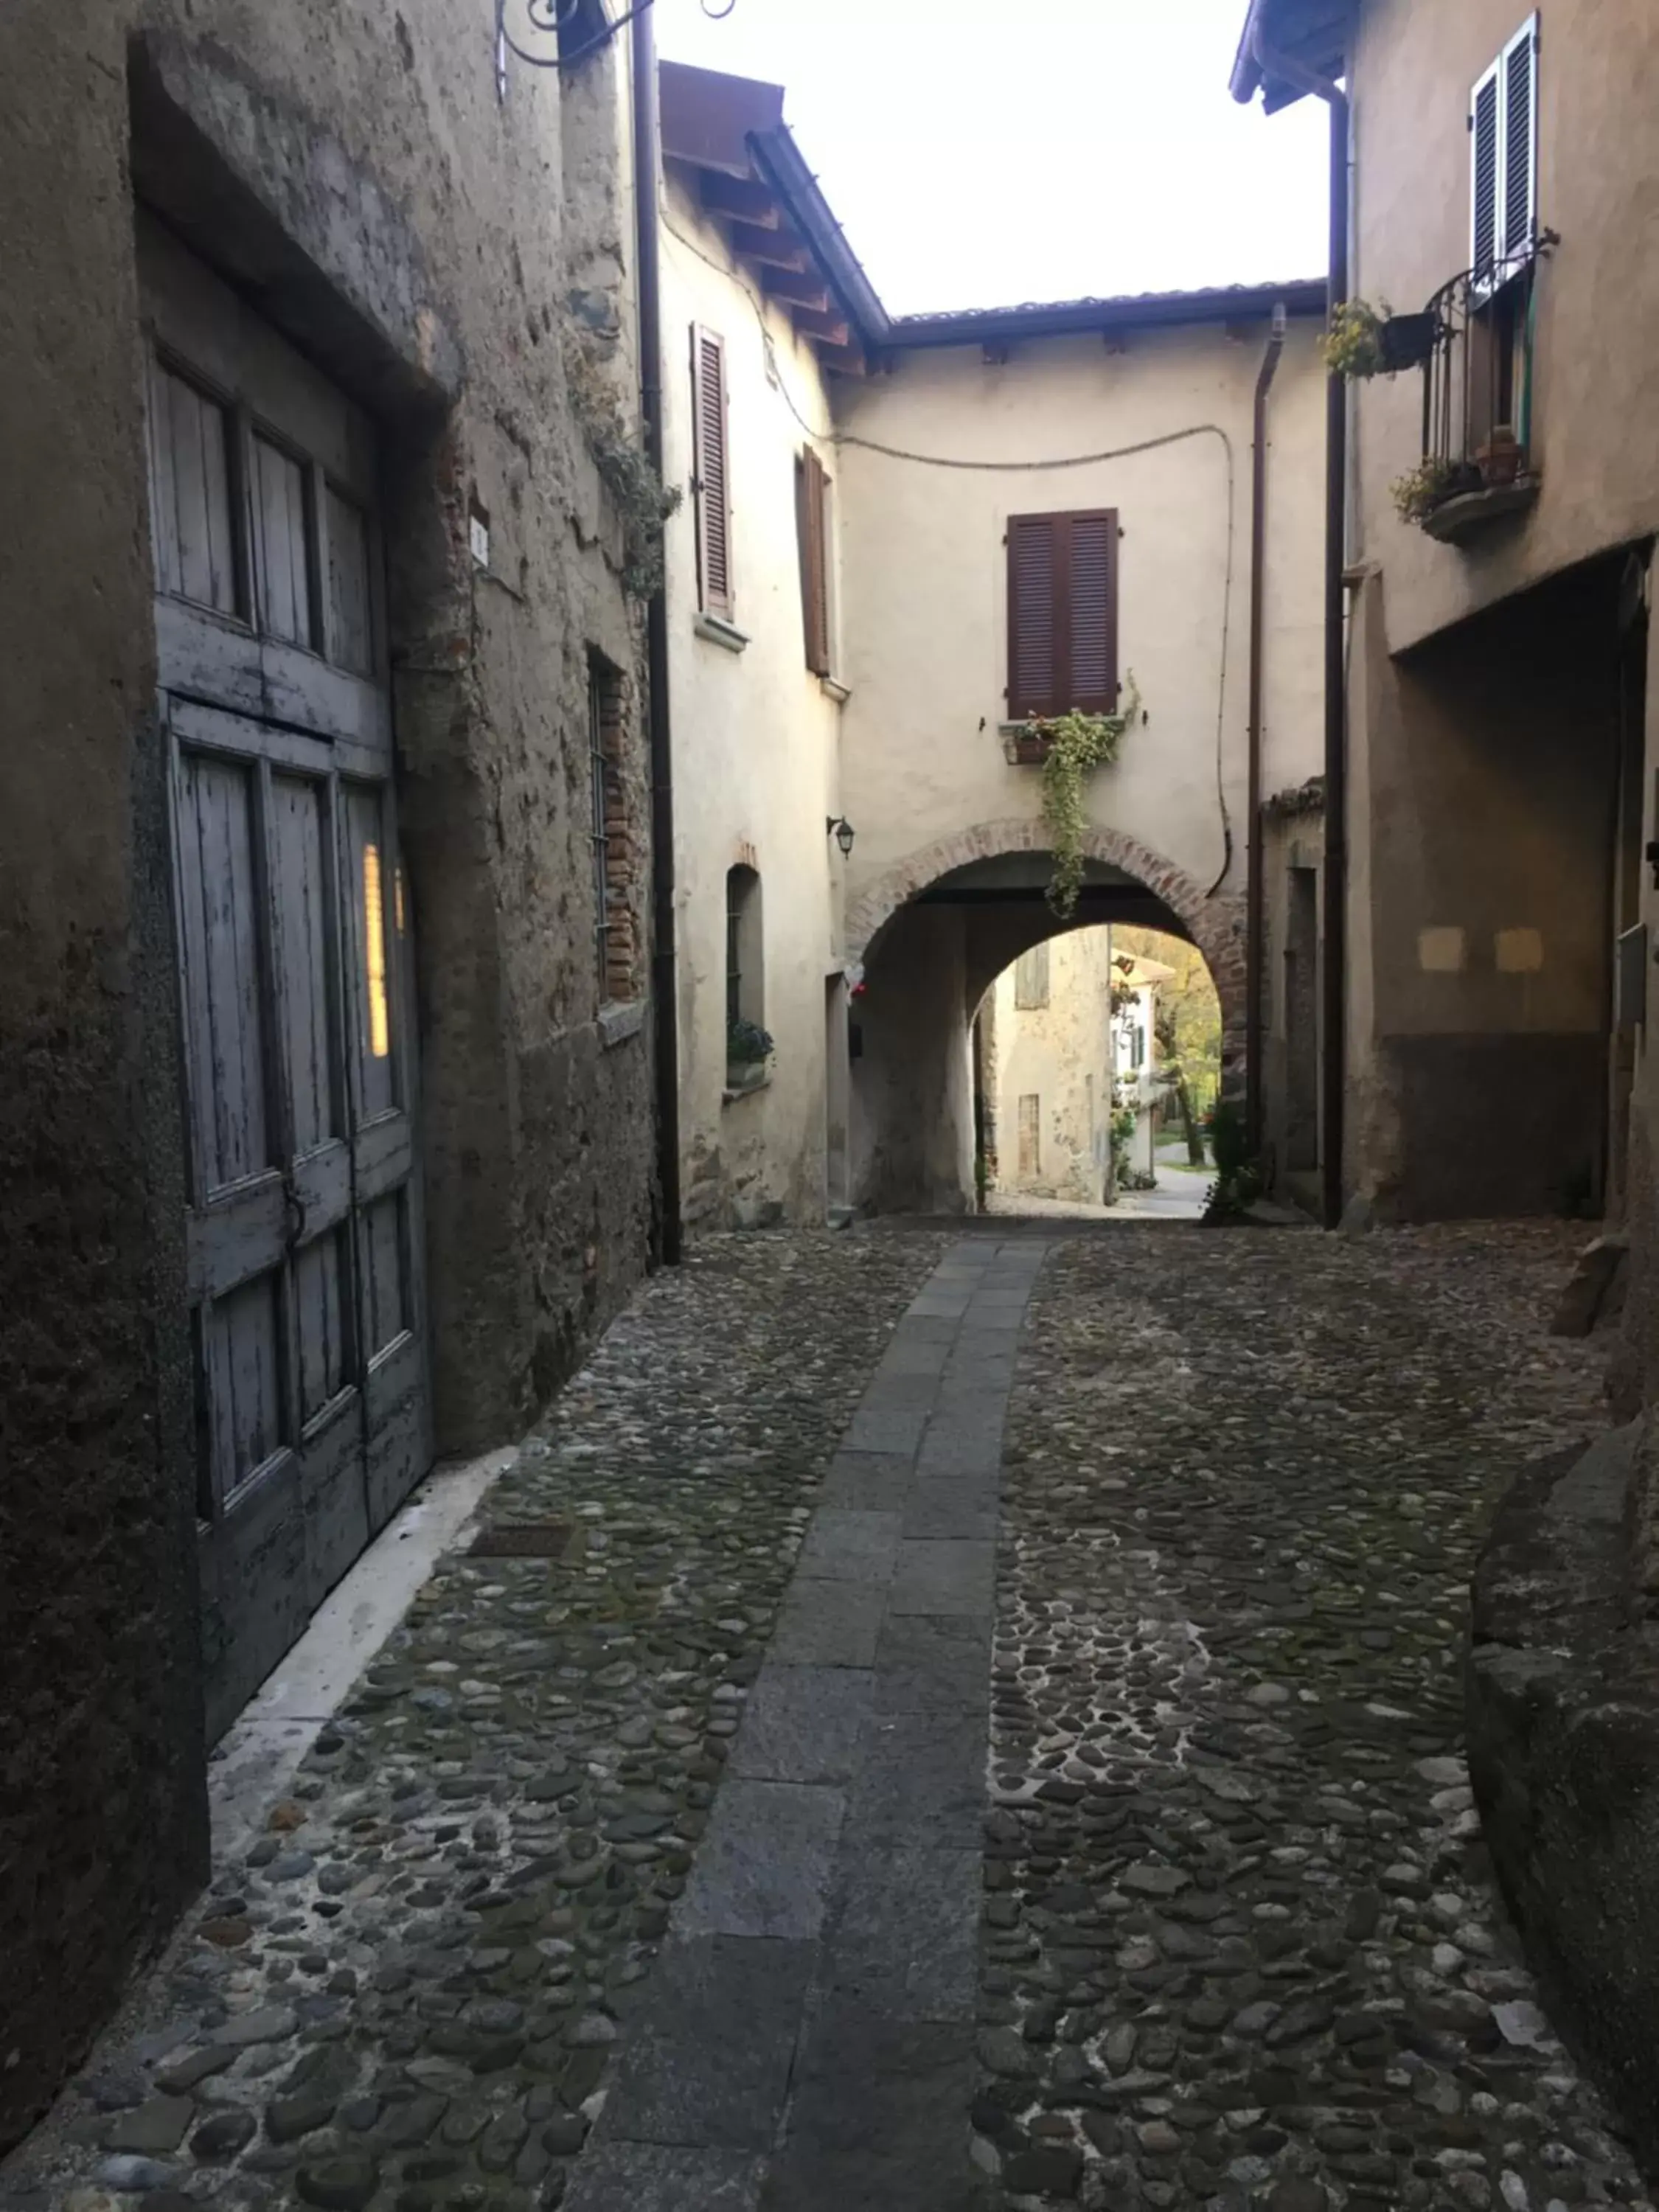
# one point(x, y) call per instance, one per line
point(932, 931)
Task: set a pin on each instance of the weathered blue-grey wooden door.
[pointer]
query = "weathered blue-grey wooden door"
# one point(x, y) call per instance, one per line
point(294, 956)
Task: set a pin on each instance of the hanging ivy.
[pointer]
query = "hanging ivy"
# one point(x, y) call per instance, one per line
point(1078, 743)
point(642, 500)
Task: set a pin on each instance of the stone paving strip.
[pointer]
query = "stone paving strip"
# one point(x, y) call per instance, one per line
point(1241, 1945)
point(807, 2042)
point(405, 1997)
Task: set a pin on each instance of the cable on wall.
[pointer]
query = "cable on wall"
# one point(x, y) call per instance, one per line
point(834, 437)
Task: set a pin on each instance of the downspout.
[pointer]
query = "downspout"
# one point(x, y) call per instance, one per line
point(1255, 881)
point(664, 1005)
point(1334, 919)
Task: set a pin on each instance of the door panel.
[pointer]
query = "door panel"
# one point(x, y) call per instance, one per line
point(191, 502)
point(281, 543)
point(224, 1027)
point(244, 1383)
point(301, 871)
point(293, 954)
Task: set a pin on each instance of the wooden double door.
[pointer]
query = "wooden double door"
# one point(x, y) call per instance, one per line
point(294, 941)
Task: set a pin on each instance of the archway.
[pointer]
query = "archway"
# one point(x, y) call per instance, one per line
point(931, 932)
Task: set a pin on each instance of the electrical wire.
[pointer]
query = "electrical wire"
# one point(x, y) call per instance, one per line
point(834, 437)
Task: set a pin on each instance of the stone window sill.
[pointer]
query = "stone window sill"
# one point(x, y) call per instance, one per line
point(621, 1020)
point(1467, 511)
point(719, 631)
point(732, 1092)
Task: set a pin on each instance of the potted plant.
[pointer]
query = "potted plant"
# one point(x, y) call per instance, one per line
point(1406, 341)
point(1363, 341)
point(1421, 490)
point(1499, 458)
point(748, 1049)
point(1073, 745)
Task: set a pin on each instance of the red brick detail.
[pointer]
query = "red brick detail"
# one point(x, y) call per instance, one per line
point(1215, 924)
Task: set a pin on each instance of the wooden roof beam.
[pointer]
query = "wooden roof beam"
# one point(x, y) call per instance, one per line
point(832, 328)
point(740, 196)
point(775, 249)
point(804, 288)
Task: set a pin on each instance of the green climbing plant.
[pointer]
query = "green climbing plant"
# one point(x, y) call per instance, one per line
point(1078, 743)
point(643, 501)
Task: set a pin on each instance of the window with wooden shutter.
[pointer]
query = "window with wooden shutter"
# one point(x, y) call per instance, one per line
point(1062, 613)
point(812, 528)
point(710, 479)
point(1503, 161)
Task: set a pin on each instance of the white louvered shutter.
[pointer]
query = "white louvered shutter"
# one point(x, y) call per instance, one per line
point(710, 472)
point(1485, 108)
point(1503, 161)
point(1519, 213)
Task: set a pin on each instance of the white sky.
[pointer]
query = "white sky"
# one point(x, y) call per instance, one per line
point(982, 152)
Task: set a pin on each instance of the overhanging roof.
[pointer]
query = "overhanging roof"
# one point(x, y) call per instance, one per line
point(1037, 319)
point(1310, 36)
point(728, 135)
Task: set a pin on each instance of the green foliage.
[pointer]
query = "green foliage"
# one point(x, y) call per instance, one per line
point(1421, 490)
point(1352, 346)
point(1187, 1018)
point(1078, 743)
point(1237, 1183)
point(642, 500)
point(747, 1044)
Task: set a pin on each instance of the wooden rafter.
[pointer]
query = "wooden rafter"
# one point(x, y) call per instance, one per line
point(832, 328)
point(805, 287)
point(739, 196)
point(773, 249)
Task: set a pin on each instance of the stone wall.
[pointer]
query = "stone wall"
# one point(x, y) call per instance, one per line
point(1563, 1694)
point(352, 169)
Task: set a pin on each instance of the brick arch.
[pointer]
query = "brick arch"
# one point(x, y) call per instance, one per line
point(1215, 923)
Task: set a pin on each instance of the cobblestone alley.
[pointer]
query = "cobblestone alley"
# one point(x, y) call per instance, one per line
point(989, 1737)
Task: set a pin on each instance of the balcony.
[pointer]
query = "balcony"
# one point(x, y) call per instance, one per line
point(1477, 466)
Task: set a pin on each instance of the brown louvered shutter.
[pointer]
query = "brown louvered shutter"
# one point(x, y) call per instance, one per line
point(709, 466)
point(1062, 613)
point(810, 482)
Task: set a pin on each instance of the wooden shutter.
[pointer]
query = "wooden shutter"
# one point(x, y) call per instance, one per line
point(1519, 64)
point(1484, 161)
point(710, 480)
point(1503, 160)
point(809, 529)
point(1062, 613)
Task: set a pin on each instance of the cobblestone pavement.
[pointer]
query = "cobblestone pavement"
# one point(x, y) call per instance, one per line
point(1240, 1948)
point(406, 1994)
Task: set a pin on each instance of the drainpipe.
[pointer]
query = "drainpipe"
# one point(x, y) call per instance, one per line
point(664, 1005)
point(1334, 991)
point(1255, 890)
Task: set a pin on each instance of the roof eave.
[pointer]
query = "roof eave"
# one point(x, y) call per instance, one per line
point(1309, 36)
point(782, 161)
point(994, 326)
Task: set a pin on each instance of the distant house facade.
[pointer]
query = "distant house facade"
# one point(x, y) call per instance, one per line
point(756, 666)
point(956, 526)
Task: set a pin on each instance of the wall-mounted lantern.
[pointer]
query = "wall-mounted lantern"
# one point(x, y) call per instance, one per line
point(838, 827)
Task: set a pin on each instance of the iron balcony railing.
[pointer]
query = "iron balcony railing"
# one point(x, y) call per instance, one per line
point(1477, 375)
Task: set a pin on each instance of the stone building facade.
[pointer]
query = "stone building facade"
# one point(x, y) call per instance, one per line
point(756, 703)
point(1498, 723)
point(328, 1139)
point(1500, 731)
